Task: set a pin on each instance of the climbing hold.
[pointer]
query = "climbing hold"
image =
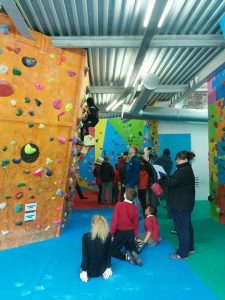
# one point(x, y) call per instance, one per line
point(3, 205)
point(38, 226)
point(0, 50)
point(16, 160)
point(30, 125)
point(32, 197)
point(60, 208)
point(8, 197)
point(52, 55)
point(38, 102)
point(27, 100)
point(71, 73)
point(4, 29)
point(4, 148)
point(3, 69)
point(57, 223)
point(53, 198)
point(19, 112)
point(19, 223)
point(47, 228)
point(16, 50)
point(48, 172)
point(42, 126)
point(69, 107)
point(19, 195)
point(13, 102)
point(16, 72)
point(5, 88)
point(31, 113)
point(29, 149)
point(18, 208)
point(61, 114)
point(61, 59)
point(29, 61)
point(61, 140)
point(58, 161)
point(26, 172)
point(39, 86)
point(49, 161)
point(55, 182)
point(57, 104)
point(21, 184)
point(5, 162)
point(38, 172)
point(60, 193)
point(5, 232)
point(51, 139)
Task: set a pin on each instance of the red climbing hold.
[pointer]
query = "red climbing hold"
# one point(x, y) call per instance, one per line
point(5, 89)
point(19, 195)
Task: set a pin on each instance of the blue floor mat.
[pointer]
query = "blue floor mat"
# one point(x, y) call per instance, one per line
point(50, 270)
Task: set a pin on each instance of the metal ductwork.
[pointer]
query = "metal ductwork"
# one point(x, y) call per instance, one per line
point(167, 114)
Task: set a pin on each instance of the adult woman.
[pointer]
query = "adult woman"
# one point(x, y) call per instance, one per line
point(181, 199)
point(96, 251)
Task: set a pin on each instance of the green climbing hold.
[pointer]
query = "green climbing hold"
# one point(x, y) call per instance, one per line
point(26, 172)
point(5, 162)
point(4, 148)
point(27, 100)
point(8, 197)
point(16, 72)
point(18, 208)
point(29, 149)
point(223, 128)
point(0, 50)
point(31, 113)
point(30, 125)
point(19, 112)
point(21, 184)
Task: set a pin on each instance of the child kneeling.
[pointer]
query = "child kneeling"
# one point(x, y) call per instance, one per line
point(151, 235)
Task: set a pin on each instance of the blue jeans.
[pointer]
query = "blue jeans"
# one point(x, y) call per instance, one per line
point(183, 225)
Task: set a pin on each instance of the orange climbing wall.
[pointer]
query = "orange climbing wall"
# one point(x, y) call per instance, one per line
point(57, 75)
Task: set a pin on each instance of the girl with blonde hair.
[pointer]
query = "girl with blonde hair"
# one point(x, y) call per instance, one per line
point(96, 251)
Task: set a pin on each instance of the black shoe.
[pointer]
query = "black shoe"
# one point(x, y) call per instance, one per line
point(136, 258)
point(129, 258)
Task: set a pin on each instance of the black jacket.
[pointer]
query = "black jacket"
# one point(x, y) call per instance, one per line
point(123, 172)
point(107, 172)
point(181, 188)
point(165, 162)
point(153, 177)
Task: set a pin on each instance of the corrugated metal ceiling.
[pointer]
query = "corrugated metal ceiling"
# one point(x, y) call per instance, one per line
point(109, 66)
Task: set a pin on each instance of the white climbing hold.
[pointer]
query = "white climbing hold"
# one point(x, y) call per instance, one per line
point(3, 205)
point(5, 232)
point(13, 102)
point(13, 143)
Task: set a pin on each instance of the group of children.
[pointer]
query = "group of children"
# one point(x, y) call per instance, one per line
point(122, 241)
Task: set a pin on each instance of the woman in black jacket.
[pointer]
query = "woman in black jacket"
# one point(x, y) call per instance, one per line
point(181, 198)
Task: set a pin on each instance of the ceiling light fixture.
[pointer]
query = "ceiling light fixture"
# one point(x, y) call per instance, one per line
point(111, 105)
point(149, 13)
point(165, 12)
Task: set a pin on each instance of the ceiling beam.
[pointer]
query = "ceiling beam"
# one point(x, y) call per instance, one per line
point(15, 15)
point(134, 41)
point(164, 89)
point(210, 70)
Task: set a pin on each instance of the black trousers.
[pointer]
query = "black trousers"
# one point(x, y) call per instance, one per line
point(79, 191)
point(122, 191)
point(115, 193)
point(86, 124)
point(99, 193)
point(123, 238)
point(183, 225)
point(142, 198)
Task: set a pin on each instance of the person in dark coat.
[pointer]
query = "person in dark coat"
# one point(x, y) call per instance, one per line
point(96, 251)
point(107, 175)
point(122, 176)
point(181, 198)
point(165, 161)
point(91, 119)
point(96, 173)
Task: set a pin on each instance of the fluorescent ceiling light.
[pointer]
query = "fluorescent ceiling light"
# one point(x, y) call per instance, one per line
point(111, 105)
point(165, 12)
point(117, 105)
point(128, 76)
point(149, 12)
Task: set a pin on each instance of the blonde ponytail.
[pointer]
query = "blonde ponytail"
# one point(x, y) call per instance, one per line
point(99, 228)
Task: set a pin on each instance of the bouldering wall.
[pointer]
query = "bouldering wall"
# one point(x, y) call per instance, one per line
point(216, 101)
point(40, 90)
point(112, 138)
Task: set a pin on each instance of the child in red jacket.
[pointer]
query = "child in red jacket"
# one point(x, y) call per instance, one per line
point(124, 228)
point(151, 235)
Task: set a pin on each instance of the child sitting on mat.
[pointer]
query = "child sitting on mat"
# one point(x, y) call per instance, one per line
point(151, 235)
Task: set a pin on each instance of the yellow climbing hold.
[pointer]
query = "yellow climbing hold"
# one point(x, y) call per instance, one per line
point(69, 107)
point(53, 198)
point(29, 149)
point(47, 228)
point(42, 126)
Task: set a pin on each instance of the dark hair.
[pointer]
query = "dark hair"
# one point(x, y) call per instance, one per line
point(135, 148)
point(185, 155)
point(131, 194)
point(142, 167)
point(152, 209)
point(166, 152)
point(106, 158)
point(125, 153)
point(90, 101)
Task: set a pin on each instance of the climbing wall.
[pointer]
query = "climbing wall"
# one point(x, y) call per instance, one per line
point(113, 137)
point(216, 100)
point(40, 90)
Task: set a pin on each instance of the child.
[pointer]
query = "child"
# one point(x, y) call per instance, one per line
point(151, 234)
point(124, 229)
point(142, 186)
point(96, 251)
